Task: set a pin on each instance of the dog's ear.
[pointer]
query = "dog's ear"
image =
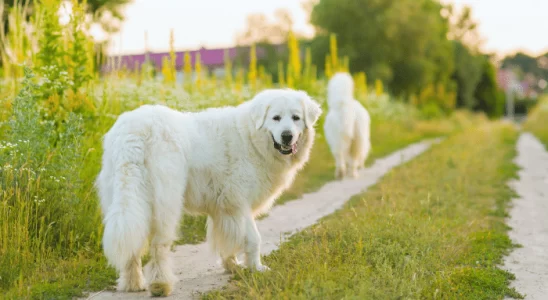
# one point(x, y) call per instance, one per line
point(259, 110)
point(312, 110)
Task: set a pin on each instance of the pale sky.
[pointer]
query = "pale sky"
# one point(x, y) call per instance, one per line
point(505, 25)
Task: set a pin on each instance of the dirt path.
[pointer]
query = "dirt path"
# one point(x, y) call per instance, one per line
point(529, 220)
point(200, 271)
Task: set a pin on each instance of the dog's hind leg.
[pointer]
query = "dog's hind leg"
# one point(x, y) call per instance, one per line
point(125, 203)
point(342, 158)
point(131, 277)
point(167, 210)
point(353, 159)
point(358, 152)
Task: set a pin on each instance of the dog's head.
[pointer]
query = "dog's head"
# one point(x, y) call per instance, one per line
point(284, 114)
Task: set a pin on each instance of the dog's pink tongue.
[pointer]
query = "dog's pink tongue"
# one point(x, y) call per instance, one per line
point(293, 148)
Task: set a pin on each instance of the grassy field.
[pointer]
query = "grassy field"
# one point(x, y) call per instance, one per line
point(537, 121)
point(432, 228)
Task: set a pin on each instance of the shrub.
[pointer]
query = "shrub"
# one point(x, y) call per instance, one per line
point(490, 98)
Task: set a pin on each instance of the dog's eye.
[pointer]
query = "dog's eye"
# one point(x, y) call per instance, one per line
point(276, 118)
point(296, 118)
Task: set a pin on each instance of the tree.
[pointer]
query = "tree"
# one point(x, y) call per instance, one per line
point(260, 29)
point(267, 35)
point(402, 42)
point(525, 63)
point(490, 98)
point(532, 69)
point(468, 72)
point(462, 27)
point(469, 63)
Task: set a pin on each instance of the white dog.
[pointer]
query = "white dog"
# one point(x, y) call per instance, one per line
point(346, 127)
point(227, 163)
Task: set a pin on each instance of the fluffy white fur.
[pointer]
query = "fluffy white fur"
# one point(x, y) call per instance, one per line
point(226, 163)
point(346, 127)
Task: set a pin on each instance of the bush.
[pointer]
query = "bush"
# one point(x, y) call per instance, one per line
point(435, 101)
point(490, 98)
point(431, 111)
point(524, 106)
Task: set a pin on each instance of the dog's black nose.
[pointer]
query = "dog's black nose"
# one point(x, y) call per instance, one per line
point(287, 137)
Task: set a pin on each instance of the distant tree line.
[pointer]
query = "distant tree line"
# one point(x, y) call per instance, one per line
point(411, 45)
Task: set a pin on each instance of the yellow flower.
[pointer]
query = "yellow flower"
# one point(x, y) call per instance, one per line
point(333, 50)
point(294, 57)
point(378, 87)
point(252, 75)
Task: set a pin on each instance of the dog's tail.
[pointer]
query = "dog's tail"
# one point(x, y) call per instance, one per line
point(123, 188)
point(340, 89)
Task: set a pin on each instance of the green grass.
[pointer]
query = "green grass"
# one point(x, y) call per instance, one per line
point(65, 279)
point(432, 228)
point(537, 121)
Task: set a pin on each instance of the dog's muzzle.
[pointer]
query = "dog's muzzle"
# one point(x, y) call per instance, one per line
point(284, 149)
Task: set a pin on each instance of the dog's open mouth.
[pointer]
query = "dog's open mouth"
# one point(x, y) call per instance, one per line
point(285, 149)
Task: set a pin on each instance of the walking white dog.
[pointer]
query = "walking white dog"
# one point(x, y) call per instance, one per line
point(227, 163)
point(346, 127)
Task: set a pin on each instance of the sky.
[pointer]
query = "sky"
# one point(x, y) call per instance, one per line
point(506, 26)
point(207, 23)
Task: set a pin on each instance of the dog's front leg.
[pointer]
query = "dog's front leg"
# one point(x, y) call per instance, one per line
point(253, 246)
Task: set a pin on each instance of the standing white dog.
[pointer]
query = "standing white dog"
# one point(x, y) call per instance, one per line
point(346, 127)
point(227, 163)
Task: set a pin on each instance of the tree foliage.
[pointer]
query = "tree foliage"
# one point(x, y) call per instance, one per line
point(468, 71)
point(260, 29)
point(402, 42)
point(529, 66)
point(490, 99)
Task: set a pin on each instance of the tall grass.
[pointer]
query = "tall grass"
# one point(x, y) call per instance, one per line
point(42, 206)
point(537, 120)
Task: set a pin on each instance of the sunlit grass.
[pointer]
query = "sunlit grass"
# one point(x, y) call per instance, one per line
point(537, 121)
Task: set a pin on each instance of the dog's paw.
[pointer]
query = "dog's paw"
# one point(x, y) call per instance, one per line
point(160, 289)
point(339, 174)
point(133, 287)
point(232, 265)
point(261, 268)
